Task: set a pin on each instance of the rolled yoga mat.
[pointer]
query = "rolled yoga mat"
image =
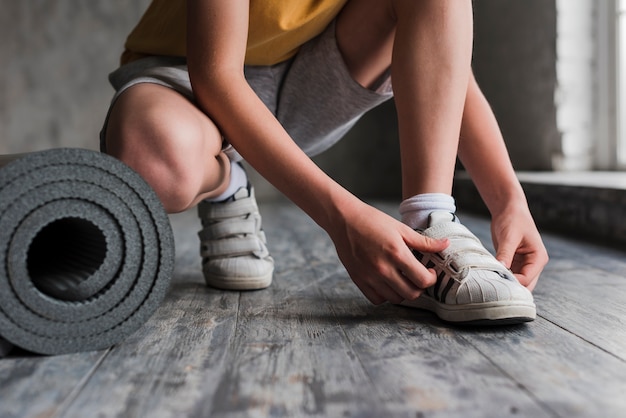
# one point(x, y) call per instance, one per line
point(86, 251)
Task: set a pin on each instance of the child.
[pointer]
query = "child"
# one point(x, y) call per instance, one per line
point(205, 83)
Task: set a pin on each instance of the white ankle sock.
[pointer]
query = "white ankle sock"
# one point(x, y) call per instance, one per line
point(238, 179)
point(415, 210)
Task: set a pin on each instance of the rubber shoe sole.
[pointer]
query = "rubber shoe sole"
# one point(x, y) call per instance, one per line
point(487, 313)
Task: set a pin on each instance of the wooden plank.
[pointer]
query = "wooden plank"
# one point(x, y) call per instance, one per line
point(38, 386)
point(581, 290)
point(564, 373)
point(587, 302)
point(290, 357)
point(173, 362)
point(418, 364)
point(592, 254)
point(573, 362)
point(404, 353)
point(178, 366)
point(176, 358)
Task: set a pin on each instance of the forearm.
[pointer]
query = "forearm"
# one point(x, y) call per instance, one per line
point(216, 44)
point(256, 134)
point(484, 155)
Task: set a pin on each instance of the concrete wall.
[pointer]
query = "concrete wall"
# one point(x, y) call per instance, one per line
point(55, 59)
point(545, 66)
point(56, 56)
point(515, 64)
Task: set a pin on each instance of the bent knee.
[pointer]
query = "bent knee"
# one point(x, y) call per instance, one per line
point(175, 198)
point(150, 115)
point(175, 188)
point(165, 139)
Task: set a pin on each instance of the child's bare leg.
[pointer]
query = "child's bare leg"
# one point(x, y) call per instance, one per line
point(170, 143)
point(177, 149)
point(428, 45)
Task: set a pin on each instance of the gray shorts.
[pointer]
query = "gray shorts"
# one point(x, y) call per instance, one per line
point(312, 95)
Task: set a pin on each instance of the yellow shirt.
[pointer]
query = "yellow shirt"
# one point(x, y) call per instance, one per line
point(277, 29)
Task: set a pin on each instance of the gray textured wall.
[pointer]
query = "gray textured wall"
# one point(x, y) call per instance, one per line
point(515, 64)
point(56, 56)
point(55, 59)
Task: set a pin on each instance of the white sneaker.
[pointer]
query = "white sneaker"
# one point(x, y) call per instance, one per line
point(472, 286)
point(232, 243)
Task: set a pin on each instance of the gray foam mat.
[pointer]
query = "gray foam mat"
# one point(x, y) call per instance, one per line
point(86, 251)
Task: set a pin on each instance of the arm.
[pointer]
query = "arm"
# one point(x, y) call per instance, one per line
point(373, 247)
point(483, 153)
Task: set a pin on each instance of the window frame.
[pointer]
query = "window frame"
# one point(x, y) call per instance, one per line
point(611, 85)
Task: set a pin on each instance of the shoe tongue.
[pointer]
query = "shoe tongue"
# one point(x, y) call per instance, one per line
point(440, 216)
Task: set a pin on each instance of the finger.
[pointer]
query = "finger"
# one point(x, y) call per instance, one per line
point(386, 286)
point(379, 292)
point(418, 274)
point(422, 243)
point(529, 266)
point(390, 294)
point(403, 286)
point(394, 286)
point(528, 282)
point(528, 274)
point(412, 268)
point(370, 293)
point(414, 271)
point(505, 254)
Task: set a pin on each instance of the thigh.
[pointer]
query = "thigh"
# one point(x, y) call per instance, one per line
point(158, 120)
point(365, 33)
point(140, 82)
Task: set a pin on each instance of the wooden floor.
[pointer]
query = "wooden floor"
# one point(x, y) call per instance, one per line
point(311, 345)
